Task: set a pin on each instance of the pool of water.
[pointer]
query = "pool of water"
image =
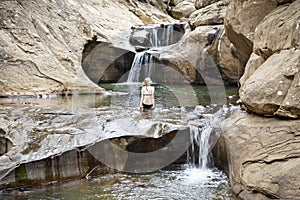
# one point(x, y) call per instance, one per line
point(172, 95)
point(121, 100)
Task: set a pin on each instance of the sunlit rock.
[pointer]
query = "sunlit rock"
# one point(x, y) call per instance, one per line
point(268, 87)
point(271, 75)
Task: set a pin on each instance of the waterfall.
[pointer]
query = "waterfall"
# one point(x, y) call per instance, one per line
point(143, 64)
point(200, 146)
point(204, 137)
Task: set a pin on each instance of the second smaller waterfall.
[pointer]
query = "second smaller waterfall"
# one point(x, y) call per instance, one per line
point(199, 153)
point(204, 137)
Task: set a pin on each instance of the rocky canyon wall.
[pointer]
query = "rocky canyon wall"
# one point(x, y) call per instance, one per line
point(42, 42)
point(263, 151)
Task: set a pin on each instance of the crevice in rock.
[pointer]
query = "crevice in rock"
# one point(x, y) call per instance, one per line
point(5, 143)
point(249, 162)
point(262, 192)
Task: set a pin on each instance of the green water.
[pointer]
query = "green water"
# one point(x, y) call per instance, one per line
point(185, 95)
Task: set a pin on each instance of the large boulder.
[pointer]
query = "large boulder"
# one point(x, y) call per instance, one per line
point(274, 35)
point(270, 85)
point(42, 47)
point(241, 19)
point(273, 89)
point(195, 56)
point(212, 14)
point(230, 64)
point(263, 156)
point(183, 9)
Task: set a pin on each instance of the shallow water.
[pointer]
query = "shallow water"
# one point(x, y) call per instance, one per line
point(184, 183)
point(175, 104)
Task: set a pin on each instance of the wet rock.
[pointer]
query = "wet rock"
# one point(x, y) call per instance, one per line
point(196, 56)
point(263, 156)
point(140, 154)
point(53, 144)
point(5, 143)
point(156, 35)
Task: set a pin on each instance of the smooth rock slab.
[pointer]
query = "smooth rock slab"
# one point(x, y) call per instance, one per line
point(53, 144)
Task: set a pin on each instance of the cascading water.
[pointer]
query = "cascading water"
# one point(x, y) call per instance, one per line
point(202, 138)
point(143, 61)
point(143, 64)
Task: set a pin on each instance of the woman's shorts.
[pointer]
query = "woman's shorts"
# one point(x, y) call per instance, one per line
point(146, 106)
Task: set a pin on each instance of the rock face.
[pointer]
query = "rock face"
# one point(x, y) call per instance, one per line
point(242, 17)
point(192, 55)
point(42, 47)
point(263, 156)
point(46, 142)
point(270, 85)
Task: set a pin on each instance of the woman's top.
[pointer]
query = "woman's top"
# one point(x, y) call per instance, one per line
point(148, 95)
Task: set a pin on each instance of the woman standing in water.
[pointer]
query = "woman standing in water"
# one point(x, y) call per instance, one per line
point(147, 95)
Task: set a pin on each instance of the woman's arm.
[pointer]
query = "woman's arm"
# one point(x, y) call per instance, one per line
point(142, 96)
point(153, 97)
